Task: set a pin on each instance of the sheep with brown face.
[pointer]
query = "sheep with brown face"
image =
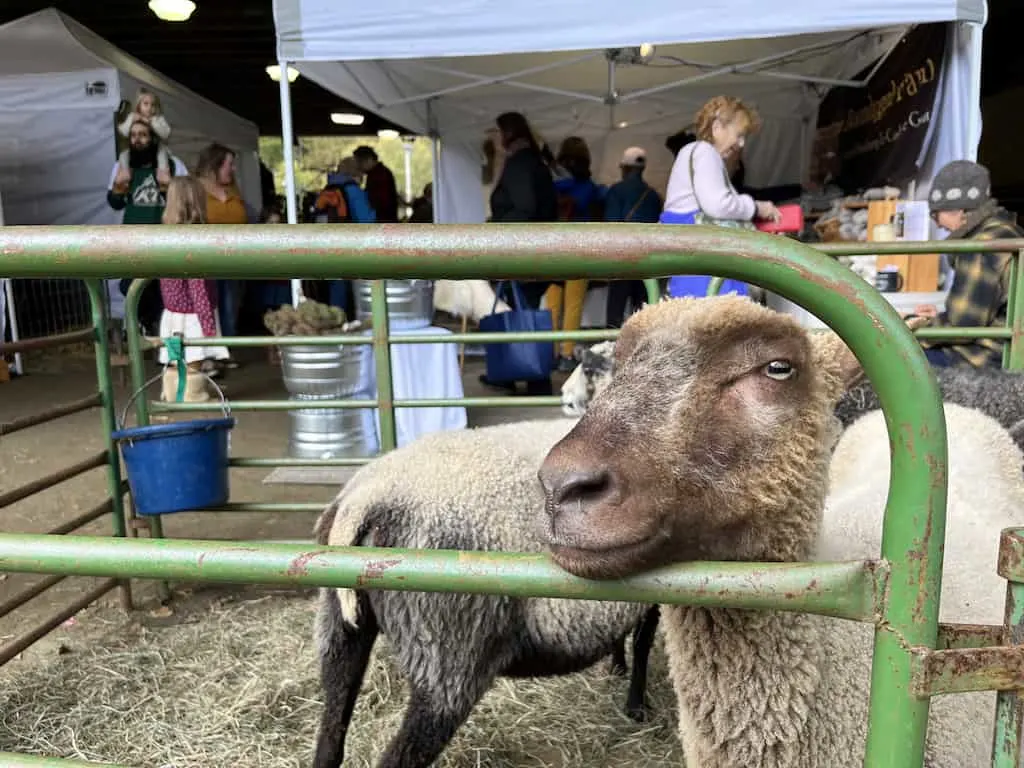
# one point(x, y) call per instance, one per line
point(712, 441)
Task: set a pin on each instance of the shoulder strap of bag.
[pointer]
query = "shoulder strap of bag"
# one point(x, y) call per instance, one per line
point(517, 295)
point(693, 186)
point(636, 206)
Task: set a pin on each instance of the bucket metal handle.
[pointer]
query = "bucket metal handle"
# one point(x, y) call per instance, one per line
point(220, 393)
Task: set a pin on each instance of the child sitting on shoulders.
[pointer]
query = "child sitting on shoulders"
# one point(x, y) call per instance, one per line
point(147, 109)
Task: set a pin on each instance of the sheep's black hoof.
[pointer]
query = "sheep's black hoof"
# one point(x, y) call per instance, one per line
point(636, 714)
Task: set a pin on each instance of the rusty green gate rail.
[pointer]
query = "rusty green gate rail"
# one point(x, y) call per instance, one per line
point(899, 592)
point(107, 459)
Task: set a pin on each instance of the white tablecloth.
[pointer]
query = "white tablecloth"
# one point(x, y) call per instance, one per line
point(423, 371)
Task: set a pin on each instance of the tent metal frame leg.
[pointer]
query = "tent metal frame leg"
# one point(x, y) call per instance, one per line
point(288, 151)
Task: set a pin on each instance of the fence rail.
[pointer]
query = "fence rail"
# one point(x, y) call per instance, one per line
point(898, 591)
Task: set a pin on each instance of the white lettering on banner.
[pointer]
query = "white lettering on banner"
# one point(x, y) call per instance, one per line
point(915, 121)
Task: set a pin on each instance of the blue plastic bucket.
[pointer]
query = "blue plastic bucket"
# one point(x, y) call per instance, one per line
point(177, 467)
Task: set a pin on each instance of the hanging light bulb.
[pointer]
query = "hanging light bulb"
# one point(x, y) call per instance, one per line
point(274, 73)
point(646, 51)
point(172, 10)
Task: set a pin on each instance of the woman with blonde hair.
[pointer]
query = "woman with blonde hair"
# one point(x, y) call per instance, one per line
point(700, 190)
point(190, 305)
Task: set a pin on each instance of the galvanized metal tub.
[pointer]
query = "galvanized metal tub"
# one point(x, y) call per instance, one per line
point(325, 371)
point(410, 302)
point(336, 433)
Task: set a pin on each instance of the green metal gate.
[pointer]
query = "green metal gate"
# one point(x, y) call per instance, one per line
point(914, 658)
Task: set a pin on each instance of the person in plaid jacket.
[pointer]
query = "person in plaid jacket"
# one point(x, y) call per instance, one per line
point(961, 202)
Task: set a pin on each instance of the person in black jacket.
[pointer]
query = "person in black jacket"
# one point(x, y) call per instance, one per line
point(525, 192)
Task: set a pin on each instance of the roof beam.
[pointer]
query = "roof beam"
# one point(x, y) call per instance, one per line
point(727, 69)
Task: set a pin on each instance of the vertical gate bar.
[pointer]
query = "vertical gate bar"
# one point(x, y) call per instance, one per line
point(138, 367)
point(154, 523)
point(1010, 704)
point(382, 361)
point(715, 286)
point(1013, 351)
point(912, 542)
point(104, 377)
point(653, 290)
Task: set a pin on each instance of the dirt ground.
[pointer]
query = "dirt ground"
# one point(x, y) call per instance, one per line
point(40, 450)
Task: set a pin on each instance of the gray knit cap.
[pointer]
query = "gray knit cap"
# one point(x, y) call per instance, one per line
point(960, 186)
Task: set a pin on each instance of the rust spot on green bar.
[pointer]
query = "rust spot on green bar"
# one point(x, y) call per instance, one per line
point(300, 565)
point(960, 636)
point(1011, 555)
point(999, 668)
point(374, 569)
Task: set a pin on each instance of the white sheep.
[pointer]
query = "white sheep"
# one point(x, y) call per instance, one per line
point(712, 441)
point(470, 490)
point(471, 299)
point(588, 378)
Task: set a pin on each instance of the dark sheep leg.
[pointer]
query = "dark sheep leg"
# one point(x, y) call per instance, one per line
point(343, 662)
point(426, 729)
point(643, 641)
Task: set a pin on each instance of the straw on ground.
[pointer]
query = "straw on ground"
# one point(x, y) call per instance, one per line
point(235, 684)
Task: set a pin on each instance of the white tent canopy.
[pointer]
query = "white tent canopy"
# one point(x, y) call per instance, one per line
point(60, 87)
point(574, 68)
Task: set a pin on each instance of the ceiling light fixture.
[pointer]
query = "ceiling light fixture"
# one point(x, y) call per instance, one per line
point(623, 124)
point(172, 10)
point(388, 133)
point(274, 73)
point(347, 118)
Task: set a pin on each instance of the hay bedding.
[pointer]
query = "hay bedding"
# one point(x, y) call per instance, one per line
point(237, 686)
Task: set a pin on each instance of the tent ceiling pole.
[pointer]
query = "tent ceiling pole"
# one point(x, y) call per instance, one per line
point(718, 71)
point(488, 119)
point(507, 79)
point(287, 148)
point(612, 98)
point(888, 52)
point(435, 163)
point(366, 92)
point(804, 78)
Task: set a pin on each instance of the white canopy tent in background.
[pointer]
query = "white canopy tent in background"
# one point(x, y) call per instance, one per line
point(448, 68)
point(60, 87)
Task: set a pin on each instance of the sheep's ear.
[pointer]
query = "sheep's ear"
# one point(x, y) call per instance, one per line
point(832, 355)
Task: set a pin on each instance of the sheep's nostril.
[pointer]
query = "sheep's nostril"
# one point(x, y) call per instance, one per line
point(580, 486)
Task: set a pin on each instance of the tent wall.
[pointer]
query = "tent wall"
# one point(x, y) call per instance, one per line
point(957, 133)
point(54, 166)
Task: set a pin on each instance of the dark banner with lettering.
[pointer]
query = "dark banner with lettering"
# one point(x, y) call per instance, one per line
point(873, 135)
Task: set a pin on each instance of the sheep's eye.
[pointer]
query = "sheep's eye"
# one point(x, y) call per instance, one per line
point(780, 370)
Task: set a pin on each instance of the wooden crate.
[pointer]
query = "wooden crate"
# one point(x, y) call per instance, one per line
point(921, 271)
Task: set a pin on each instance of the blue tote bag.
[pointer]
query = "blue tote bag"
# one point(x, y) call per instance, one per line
point(518, 361)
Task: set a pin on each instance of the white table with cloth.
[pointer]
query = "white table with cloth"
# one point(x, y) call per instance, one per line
point(421, 371)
